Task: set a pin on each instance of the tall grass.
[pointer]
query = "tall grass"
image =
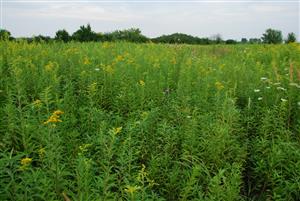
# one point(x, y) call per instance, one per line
point(122, 121)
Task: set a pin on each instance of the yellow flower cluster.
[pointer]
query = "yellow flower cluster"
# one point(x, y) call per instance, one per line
point(119, 58)
point(37, 103)
point(142, 83)
point(219, 85)
point(108, 68)
point(117, 130)
point(55, 117)
point(25, 162)
point(49, 66)
point(86, 61)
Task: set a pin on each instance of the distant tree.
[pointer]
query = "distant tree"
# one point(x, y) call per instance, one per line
point(62, 35)
point(84, 34)
point(230, 41)
point(291, 38)
point(272, 36)
point(217, 38)
point(254, 40)
point(131, 35)
point(41, 38)
point(4, 34)
point(244, 40)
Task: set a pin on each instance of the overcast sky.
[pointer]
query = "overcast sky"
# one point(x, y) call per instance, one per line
point(232, 18)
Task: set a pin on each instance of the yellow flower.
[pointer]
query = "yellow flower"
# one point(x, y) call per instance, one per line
point(109, 69)
point(49, 66)
point(36, 102)
point(86, 61)
point(219, 85)
point(26, 161)
point(117, 130)
point(132, 189)
point(58, 112)
point(54, 118)
point(119, 58)
point(142, 83)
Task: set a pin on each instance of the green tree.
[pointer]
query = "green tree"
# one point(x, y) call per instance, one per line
point(4, 34)
point(244, 40)
point(84, 34)
point(254, 40)
point(230, 41)
point(62, 35)
point(272, 36)
point(291, 38)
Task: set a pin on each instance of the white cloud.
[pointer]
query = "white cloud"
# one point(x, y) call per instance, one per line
point(232, 20)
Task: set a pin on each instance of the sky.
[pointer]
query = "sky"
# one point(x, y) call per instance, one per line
point(233, 19)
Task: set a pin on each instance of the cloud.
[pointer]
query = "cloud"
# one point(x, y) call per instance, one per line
point(75, 11)
point(232, 20)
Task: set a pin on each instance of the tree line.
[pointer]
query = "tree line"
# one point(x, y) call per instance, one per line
point(86, 34)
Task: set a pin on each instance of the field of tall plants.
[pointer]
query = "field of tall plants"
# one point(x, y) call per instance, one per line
point(124, 121)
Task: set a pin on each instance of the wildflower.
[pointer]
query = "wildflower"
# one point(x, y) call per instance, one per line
point(268, 87)
point(277, 83)
point(283, 100)
point(55, 117)
point(263, 78)
point(26, 161)
point(117, 130)
point(58, 112)
point(219, 85)
point(86, 61)
point(108, 68)
point(256, 90)
point(49, 66)
point(97, 69)
point(142, 83)
point(119, 58)
point(298, 103)
point(281, 88)
point(132, 189)
point(259, 98)
point(188, 116)
point(37, 102)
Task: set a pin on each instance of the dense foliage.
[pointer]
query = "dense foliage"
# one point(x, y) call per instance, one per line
point(86, 34)
point(124, 121)
point(272, 36)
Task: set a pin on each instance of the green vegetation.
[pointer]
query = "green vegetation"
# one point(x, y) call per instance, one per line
point(272, 36)
point(125, 121)
point(86, 34)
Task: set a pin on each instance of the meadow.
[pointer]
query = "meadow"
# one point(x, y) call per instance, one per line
point(125, 121)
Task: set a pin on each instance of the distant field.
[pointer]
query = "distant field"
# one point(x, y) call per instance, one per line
point(124, 121)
